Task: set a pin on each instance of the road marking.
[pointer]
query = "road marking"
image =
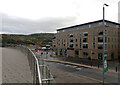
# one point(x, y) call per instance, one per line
point(68, 65)
point(78, 68)
point(61, 64)
point(66, 62)
point(74, 66)
point(58, 63)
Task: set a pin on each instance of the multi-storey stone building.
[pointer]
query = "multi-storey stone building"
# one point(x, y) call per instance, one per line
point(86, 40)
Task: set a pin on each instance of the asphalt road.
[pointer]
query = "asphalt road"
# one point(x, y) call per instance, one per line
point(15, 67)
point(73, 74)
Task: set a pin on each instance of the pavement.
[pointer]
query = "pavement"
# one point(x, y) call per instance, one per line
point(111, 67)
point(77, 64)
point(71, 72)
point(15, 67)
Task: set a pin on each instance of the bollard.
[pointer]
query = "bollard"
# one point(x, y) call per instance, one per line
point(91, 64)
point(98, 65)
point(116, 68)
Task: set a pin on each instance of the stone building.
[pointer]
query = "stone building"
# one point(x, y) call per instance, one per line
point(86, 40)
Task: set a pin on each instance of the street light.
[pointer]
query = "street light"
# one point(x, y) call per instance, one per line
point(104, 37)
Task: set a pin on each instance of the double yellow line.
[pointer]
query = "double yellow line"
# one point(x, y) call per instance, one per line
point(65, 62)
point(77, 64)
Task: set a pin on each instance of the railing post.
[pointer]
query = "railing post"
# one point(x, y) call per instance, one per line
point(37, 67)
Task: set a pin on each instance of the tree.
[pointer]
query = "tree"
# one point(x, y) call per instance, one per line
point(39, 44)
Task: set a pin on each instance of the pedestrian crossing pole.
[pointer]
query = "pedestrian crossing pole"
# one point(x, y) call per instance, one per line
point(104, 56)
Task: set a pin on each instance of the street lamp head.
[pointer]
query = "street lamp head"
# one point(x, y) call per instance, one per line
point(106, 4)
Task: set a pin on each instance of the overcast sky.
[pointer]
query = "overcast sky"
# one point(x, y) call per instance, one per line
point(36, 16)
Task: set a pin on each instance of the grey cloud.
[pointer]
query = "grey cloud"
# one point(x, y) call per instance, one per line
point(11, 24)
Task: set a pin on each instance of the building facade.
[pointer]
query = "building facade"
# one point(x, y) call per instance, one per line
point(86, 40)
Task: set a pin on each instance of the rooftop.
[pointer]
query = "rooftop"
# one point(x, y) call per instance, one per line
point(85, 24)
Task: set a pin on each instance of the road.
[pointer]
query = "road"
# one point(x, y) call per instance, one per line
point(73, 74)
point(15, 67)
point(65, 73)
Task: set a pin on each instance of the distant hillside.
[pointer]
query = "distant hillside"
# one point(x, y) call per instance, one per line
point(32, 39)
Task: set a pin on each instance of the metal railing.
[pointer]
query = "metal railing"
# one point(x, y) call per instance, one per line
point(33, 63)
point(45, 71)
point(40, 72)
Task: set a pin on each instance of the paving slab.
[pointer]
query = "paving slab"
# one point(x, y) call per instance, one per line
point(15, 67)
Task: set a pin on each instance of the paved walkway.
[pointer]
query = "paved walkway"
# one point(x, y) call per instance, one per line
point(15, 67)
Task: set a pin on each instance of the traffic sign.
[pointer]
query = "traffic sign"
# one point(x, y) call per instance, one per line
point(105, 62)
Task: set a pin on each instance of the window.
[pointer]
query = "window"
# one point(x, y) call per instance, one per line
point(100, 32)
point(76, 40)
point(115, 46)
point(60, 51)
point(89, 25)
point(85, 45)
point(85, 54)
point(112, 45)
point(71, 35)
point(71, 45)
point(100, 56)
point(94, 39)
point(112, 39)
point(100, 23)
point(71, 40)
point(117, 26)
point(67, 43)
point(76, 45)
point(93, 45)
point(80, 40)
point(100, 46)
point(85, 33)
point(62, 41)
point(100, 39)
point(76, 53)
point(108, 39)
point(115, 39)
point(105, 39)
point(85, 39)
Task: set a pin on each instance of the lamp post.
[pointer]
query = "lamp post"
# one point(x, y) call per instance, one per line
point(104, 37)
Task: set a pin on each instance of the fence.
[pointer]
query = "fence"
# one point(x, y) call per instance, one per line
point(40, 72)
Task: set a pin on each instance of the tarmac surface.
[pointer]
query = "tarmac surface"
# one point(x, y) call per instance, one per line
point(69, 72)
point(15, 67)
point(65, 73)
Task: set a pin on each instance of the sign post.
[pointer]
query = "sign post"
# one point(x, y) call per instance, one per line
point(105, 62)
